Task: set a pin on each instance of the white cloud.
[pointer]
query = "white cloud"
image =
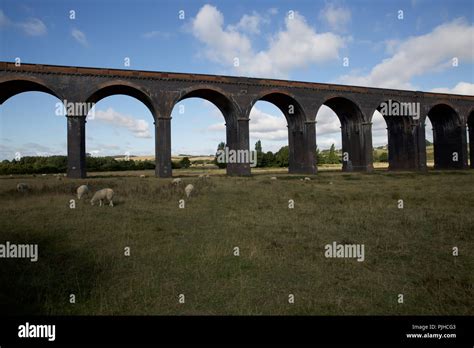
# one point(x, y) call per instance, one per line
point(80, 37)
point(461, 88)
point(267, 127)
point(337, 17)
point(139, 128)
point(33, 27)
point(296, 46)
point(249, 24)
point(418, 55)
point(3, 19)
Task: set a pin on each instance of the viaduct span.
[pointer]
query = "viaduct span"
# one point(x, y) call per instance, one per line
point(450, 115)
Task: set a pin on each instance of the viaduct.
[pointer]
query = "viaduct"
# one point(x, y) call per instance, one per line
point(450, 115)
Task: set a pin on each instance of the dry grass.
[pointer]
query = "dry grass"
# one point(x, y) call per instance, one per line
point(190, 250)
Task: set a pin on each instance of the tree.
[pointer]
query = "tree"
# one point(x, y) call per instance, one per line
point(375, 156)
point(383, 157)
point(332, 157)
point(282, 157)
point(220, 147)
point(185, 162)
point(268, 159)
point(320, 158)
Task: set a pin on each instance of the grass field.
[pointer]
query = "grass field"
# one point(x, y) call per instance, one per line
point(190, 251)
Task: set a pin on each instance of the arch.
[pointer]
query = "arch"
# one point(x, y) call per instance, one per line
point(287, 104)
point(215, 96)
point(122, 88)
point(236, 135)
point(25, 128)
point(448, 137)
point(356, 134)
point(301, 135)
point(13, 87)
point(401, 137)
point(347, 110)
point(444, 112)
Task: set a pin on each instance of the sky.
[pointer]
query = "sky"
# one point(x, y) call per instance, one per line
point(394, 44)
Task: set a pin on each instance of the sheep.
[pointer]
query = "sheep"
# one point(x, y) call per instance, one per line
point(273, 178)
point(82, 190)
point(103, 194)
point(207, 176)
point(143, 176)
point(176, 182)
point(201, 176)
point(188, 190)
point(307, 179)
point(22, 187)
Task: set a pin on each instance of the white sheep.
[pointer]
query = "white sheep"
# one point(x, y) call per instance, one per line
point(143, 176)
point(22, 187)
point(103, 194)
point(273, 178)
point(82, 190)
point(176, 182)
point(189, 189)
point(307, 179)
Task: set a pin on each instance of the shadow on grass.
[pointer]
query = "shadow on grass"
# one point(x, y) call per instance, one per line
point(43, 287)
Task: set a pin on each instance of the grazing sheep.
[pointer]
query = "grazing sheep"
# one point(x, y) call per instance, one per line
point(82, 190)
point(22, 187)
point(189, 189)
point(273, 178)
point(103, 194)
point(307, 179)
point(176, 182)
point(143, 176)
point(201, 176)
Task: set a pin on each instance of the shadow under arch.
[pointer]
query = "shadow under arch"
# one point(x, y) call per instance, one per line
point(301, 137)
point(356, 139)
point(11, 88)
point(449, 137)
point(401, 133)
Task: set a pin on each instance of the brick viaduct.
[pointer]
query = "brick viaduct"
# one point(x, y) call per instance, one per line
point(450, 115)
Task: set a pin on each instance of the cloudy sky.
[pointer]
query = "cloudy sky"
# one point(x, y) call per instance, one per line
point(395, 44)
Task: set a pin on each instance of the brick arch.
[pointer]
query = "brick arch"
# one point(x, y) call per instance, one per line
point(120, 87)
point(287, 103)
point(346, 109)
point(216, 96)
point(428, 107)
point(448, 136)
point(10, 88)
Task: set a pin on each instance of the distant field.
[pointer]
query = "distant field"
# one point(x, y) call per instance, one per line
point(190, 251)
point(173, 158)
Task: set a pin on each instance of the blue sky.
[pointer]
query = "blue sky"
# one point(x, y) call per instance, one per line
point(415, 52)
